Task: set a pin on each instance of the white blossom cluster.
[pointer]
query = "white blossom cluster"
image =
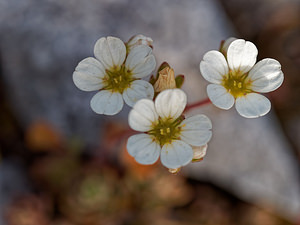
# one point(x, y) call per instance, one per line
point(118, 72)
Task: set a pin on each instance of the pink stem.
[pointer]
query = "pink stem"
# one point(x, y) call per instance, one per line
point(197, 104)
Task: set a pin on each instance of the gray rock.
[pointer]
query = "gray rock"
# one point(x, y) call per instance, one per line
point(251, 158)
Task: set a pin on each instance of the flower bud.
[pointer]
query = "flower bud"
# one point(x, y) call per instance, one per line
point(166, 80)
point(174, 171)
point(199, 153)
point(138, 40)
point(225, 44)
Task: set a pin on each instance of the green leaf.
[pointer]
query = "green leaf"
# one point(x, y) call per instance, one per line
point(179, 80)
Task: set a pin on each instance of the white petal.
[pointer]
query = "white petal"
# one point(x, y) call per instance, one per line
point(241, 55)
point(110, 51)
point(176, 154)
point(196, 130)
point(213, 67)
point(145, 68)
point(266, 75)
point(219, 96)
point(227, 42)
point(143, 149)
point(252, 105)
point(88, 74)
point(170, 103)
point(199, 152)
point(139, 89)
point(140, 61)
point(142, 116)
point(107, 103)
point(136, 55)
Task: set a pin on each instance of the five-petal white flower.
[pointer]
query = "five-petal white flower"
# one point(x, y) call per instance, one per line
point(167, 133)
point(237, 79)
point(116, 74)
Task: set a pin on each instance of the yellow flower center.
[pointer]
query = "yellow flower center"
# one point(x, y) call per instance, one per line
point(166, 130)
point(117, 80)
point(237, 84)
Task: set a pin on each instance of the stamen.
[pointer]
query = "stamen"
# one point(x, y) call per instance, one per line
point(166, 130)
point(237, 84)
point(117, 79)
point(162, 131)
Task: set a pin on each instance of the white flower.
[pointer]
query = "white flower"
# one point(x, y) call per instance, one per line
point(167, 133)
point(115, 75)
point(237, 79)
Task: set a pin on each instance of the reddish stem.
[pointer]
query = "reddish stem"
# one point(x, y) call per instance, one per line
point(197, 104)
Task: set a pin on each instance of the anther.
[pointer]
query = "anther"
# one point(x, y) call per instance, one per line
point(168, 130)
point(162, 131)
point(116, 81)
point(240, 85)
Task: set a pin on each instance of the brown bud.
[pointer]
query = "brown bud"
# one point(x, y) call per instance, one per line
point(166, 80)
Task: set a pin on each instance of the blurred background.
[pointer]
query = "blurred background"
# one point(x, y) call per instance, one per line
point(62, 164)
